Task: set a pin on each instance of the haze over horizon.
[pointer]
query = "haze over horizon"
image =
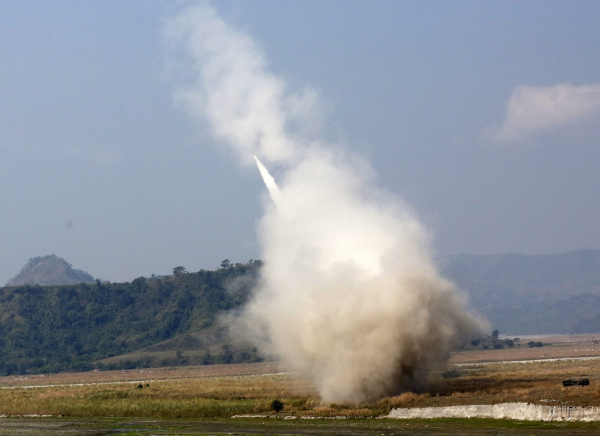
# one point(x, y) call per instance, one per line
point(483, 117)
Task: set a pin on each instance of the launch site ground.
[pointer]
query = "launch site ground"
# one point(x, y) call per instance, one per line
point(203, 399)
point(221, 426)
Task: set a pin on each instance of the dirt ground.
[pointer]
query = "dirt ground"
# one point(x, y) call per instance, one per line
point(357, 427)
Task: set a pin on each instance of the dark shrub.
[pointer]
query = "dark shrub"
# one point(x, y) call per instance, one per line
point(451, 373)
point(277, 406)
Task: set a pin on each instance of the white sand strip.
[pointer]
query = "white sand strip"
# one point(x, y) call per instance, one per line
point(518, 411)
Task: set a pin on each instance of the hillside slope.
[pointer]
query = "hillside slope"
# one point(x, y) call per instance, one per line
point(52, 328)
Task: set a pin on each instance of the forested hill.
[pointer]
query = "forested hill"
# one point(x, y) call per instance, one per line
point(54, 328)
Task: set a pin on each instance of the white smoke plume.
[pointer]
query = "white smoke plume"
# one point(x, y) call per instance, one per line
point(349, 294)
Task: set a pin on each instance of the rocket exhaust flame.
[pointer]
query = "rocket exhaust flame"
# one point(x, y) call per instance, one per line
point(269, 181)
point(349, 295)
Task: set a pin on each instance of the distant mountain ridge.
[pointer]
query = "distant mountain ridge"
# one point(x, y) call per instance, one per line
point(49, 270)
point(531, 294)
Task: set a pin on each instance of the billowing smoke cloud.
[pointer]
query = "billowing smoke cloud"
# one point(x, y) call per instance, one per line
point(349, 295)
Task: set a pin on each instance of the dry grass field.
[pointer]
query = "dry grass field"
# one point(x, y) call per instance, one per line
point(134, 375)
point(201, 397)
point(561, 346)
point(226, 390)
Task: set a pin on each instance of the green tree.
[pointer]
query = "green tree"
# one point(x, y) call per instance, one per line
point(226, 263)
point(495, 334)
point(178, 270)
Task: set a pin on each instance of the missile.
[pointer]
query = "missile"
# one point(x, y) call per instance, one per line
point(269, 181)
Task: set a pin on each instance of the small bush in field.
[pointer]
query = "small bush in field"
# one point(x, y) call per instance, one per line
point(277, 406)
point(452, 373)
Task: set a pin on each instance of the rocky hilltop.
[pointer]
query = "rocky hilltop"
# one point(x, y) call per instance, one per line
point(49, 270)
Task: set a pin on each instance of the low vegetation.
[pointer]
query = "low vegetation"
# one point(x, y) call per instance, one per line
point(183, 398)
point(194, 393)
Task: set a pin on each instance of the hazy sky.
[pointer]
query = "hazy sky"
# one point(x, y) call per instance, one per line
point(483, 116)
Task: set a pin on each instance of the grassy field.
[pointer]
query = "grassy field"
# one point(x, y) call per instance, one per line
point(214, 393)
point(168, 373)
point(183, 398)
point(226, 390)
point(556, 346)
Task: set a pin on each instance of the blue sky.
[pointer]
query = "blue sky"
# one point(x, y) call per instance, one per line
point(483, 116)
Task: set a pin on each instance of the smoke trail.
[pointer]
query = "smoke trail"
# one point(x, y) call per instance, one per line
point(349, 294)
